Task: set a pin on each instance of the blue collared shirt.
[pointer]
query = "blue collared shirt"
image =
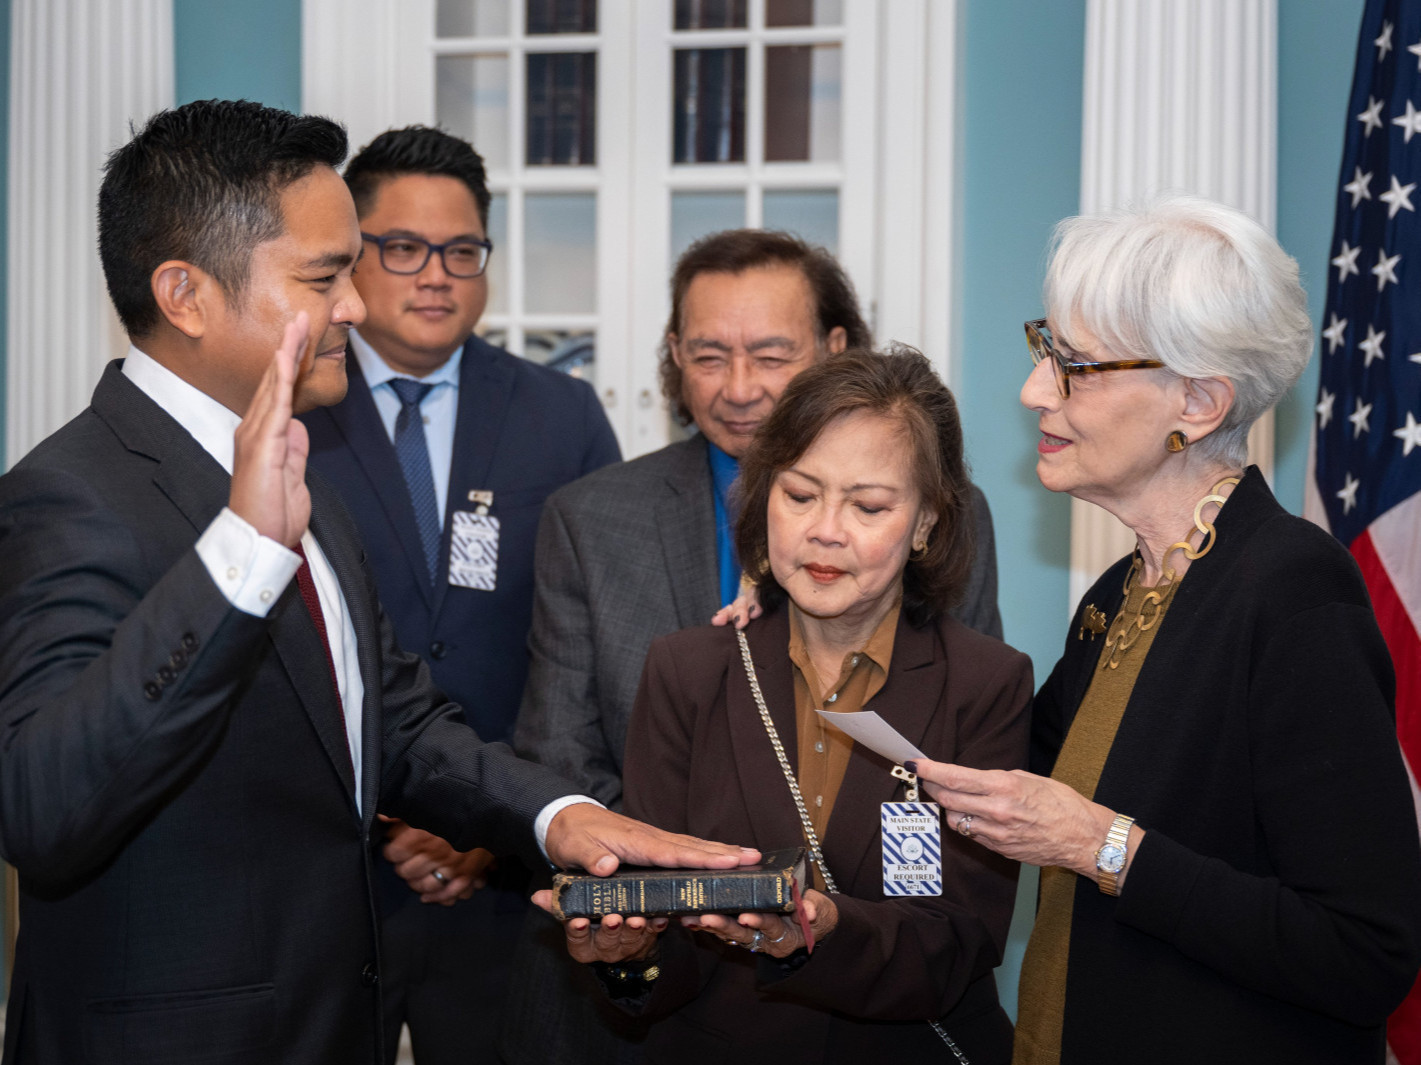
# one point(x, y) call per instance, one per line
point(440, 408)
point(724, 469)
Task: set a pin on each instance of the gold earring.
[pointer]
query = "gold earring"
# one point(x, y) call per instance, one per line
point(1176, 442)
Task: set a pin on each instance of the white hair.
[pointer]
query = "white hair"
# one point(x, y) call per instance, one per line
point(1199, 286)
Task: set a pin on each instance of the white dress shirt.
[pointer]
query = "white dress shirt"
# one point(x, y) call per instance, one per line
point(252, 570)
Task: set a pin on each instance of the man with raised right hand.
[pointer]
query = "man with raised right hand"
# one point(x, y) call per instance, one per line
point(195, 745)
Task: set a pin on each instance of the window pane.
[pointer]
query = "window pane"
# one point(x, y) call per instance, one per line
point(471, 18)
point(560, 251)
point(804, 12)
point(497, 271)
point(710, 15)
point(573, 353)
point(562, 109)
point(472, 102)
point(709, 106)
point(695, 214)
point(812, 214)
point(802, 113)
point(561, 16)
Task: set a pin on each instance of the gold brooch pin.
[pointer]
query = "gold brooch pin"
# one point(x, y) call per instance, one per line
point(1094, 620)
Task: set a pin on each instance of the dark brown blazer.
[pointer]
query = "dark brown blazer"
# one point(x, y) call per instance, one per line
point(699, 761)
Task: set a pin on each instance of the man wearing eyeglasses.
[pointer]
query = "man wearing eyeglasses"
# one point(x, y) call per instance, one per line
point(444, 449)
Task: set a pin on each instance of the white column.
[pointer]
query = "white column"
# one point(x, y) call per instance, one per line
point(365, 63)
point(1180, 95)
point(80, 72)
point(915, 187)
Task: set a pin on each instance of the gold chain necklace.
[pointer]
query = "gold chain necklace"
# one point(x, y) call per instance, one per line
point(1125, 632)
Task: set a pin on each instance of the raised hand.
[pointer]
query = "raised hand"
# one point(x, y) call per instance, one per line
point(269, 463)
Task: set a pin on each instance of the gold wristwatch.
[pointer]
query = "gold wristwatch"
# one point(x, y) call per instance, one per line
point(1110, 859)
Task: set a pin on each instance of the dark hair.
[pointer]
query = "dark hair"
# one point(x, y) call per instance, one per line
point(734, 251)
point(202, 183)
point(899, 384)
point(416, 150)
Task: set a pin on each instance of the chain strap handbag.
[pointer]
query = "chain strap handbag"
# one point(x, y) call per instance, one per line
point(811, 837)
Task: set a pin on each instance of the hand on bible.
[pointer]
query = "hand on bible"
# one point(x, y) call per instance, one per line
point(586, 836)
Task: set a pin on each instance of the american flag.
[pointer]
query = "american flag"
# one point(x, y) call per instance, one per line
point(1367, 478)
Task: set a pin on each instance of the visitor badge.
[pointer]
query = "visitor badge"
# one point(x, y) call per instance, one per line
point(473, 551)
point(912, 848)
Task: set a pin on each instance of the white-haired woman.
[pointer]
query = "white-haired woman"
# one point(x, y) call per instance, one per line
point(1231, 869)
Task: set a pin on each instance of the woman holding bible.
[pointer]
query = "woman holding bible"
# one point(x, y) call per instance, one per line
point(855, 524)
point(1228, 841)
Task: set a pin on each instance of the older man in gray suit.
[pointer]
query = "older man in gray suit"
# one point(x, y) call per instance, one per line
point(637, 550)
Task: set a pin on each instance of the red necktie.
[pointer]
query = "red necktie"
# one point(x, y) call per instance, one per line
point(313, 606)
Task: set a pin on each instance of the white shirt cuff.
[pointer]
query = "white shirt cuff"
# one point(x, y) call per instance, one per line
point(249, 569)
point(548, 812)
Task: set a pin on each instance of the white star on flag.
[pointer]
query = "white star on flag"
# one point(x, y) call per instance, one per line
point(1409, 434)
point(1346, 261)
point(1399, 195)
point(1324, 409)
point(1348, 494)
point(1385, 270)
point(1372, 116)
point(1373, 346)
point(1359, 417)
point(1415, 49)
point(1411, 121)
point(1416, 357)
point(1335, 333)
point(1359, 186)
point(1383, 42)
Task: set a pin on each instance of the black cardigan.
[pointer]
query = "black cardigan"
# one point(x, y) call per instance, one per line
point(1271, 913)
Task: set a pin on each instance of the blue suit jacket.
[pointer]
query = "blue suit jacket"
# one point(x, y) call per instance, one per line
point(522, 431)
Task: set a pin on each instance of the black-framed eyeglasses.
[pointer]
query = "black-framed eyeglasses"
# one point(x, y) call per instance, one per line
point(400, 254)
point(1038, 340)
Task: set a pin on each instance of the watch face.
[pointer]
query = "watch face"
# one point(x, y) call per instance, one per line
point(1110, 858)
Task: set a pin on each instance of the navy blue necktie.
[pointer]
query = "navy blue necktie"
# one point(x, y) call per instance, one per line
point(413, 454)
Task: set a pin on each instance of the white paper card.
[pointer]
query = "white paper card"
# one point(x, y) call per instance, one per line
point(873, 732)
point(912, 848)
point(473, 551)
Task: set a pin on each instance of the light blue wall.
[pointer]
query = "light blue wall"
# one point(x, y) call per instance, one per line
point(1317, 42)
point(250, 50)
point(1020, 151)
point(1020, 122)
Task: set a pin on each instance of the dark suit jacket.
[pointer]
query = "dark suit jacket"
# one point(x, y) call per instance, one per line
point(699, 761)
point(521, 431)
point(625, 555)
point(1272, 910)
point(174, 786)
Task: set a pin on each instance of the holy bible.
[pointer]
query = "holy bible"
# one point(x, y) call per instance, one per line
point(770, 887)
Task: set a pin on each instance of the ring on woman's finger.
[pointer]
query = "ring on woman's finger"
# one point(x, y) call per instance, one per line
point(757, 943)
point(965, 825)
point(782, 935)
point(439, 876)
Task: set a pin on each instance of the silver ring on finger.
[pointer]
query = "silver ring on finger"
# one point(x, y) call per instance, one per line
point(965, 825)
point(757, 943)
point(439, 876)
point(781, 937)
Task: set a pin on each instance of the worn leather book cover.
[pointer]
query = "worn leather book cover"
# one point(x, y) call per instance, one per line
point(769, 887)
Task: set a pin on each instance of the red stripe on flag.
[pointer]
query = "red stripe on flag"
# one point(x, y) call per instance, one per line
point(1404, 1028)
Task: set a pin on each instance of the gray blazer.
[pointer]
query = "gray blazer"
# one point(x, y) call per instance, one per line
point(627, 554)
